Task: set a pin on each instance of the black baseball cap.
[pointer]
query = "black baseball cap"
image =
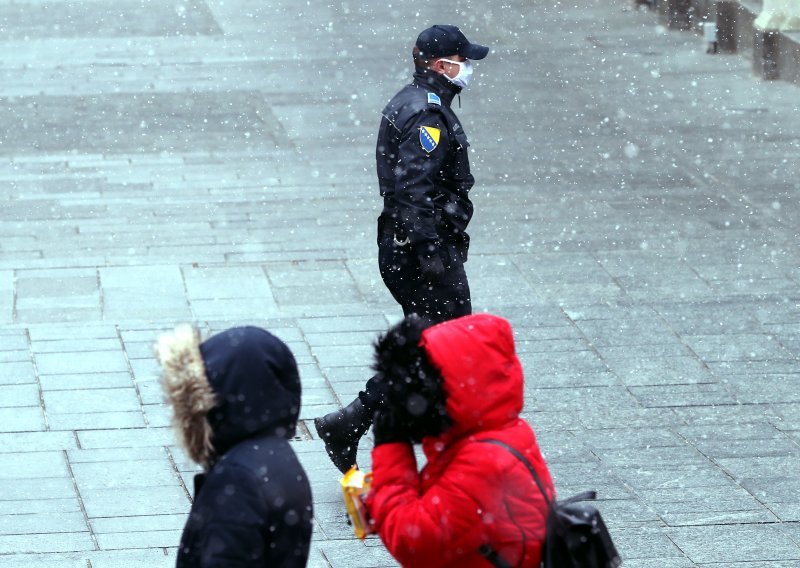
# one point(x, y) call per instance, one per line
point(442, 41)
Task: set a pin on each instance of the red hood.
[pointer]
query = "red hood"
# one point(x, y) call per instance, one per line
point(482, 375)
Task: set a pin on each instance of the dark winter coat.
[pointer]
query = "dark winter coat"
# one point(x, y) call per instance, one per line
point(469, 493)
point(424, 182)
point(236, 398)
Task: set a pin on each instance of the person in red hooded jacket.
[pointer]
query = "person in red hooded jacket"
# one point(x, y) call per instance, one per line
point(450, 386)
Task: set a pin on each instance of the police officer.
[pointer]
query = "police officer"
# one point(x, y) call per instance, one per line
point(424, 179)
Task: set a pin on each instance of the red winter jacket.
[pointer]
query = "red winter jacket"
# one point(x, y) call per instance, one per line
point(469, 493)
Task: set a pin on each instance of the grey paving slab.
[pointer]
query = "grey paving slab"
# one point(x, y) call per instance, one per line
point(106, 475)
point(79, 381)
point(739, 348)
point(344, 356)
point(114, 559)
point(217, 282)
point(133, 438)
point(160, 415)
point(647, 543)
point(616, 333)
point(74, 314)
point(601, 418)
point(34, 465)
point(91, 400)
point(75, 345)
point(116, 454)
point(22, 419)
point(150, 391)
point(39, 488)
point(729, 414)
point(578, 361)
point(555, 379)
point(16, 372)
point(139, 539)
point(132, 524)
point(13, 340)
point(712, 500)
point(79, 362)
point(115, 502)
point(43, 523)
point(45, 542)
point(78, 20)
point(765, 543)
point(72, 421)
point(217, 308)
point(144, 370)
point(770, 388)
point(6, 296)
point(19, 395)
point(641, 369)
point(734, 440)
point(376, 323)
point(164, 163)
point(91, 330)
point(680, 476)
point(659, 563)
point(672, 395)
point(143, 292)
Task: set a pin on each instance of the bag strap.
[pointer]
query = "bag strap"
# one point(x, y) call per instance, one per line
point(491, 555)
point(525, 461)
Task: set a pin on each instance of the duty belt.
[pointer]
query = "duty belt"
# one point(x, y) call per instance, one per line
point(388, 227)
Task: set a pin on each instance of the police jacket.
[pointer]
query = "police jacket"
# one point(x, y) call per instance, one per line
point(423, 167)
point(253, 504)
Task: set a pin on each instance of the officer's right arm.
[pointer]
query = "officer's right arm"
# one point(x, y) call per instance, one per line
point(422, 150)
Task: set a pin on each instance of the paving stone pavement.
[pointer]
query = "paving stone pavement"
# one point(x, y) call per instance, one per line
point(212, 161)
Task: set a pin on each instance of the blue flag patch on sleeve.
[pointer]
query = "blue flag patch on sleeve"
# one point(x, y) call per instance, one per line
point(433, 98)
point(429, 138)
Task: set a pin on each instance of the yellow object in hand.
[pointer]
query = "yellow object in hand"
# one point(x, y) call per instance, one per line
point(355, 486)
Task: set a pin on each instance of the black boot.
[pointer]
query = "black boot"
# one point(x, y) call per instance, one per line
point(341, 431)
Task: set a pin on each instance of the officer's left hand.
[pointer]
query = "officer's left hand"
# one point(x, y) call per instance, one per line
point(432, 267)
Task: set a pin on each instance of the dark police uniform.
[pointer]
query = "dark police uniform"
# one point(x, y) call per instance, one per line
point(424, 177)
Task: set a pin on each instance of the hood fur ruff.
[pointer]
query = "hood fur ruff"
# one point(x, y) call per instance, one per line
point(187, 390)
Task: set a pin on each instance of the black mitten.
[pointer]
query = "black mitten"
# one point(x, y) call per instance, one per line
point(387, 429)
point(413, 405)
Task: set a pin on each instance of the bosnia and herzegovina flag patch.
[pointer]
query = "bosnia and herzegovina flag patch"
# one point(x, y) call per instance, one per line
point(429, 138)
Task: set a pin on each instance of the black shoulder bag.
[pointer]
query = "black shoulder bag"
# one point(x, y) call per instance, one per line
point(576, 536)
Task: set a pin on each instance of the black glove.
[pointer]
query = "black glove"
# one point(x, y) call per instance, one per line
point(387, 429)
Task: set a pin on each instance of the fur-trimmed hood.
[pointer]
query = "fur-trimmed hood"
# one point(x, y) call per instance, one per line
point(235, 385)
point(451, 380)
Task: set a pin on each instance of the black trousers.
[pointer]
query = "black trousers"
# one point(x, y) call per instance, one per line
point(436, 301)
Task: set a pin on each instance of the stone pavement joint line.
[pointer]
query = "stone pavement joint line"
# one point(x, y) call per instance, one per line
point(636, 213)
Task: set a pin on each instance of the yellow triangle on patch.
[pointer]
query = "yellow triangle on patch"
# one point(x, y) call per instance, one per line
point(429, 138)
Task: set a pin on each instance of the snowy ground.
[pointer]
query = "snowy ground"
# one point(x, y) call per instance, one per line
point(207, 161)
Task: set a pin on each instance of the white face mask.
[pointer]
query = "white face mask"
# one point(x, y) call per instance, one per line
point(464, 75)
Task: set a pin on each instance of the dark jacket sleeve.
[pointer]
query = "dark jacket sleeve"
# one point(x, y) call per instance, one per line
point(416, 173)
point(233, 535)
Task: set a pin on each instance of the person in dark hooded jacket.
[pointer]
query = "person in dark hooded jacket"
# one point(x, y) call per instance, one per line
point(449, 387)
point(236, 400)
